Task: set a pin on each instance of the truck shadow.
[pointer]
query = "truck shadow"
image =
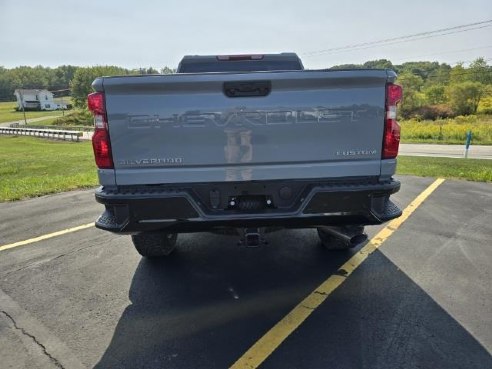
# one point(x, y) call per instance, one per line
point(205, 306)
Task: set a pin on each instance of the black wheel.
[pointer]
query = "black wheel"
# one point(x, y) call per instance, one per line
point(331, 242)
point(154, 244)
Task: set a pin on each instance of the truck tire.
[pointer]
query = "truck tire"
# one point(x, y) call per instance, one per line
point(154, 244)
point(331, 242)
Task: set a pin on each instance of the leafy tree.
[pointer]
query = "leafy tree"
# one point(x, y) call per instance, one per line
point(439, 76)
point(371, 64)
point(83, 78)
point(62, 77)
point(59, 78)
point(412, 98)
point(435, 94)
point(378, 64)
point(479, 71)
point(34, 77)
point(29, 77)
point(5, 85)
point(410, 81)
point(464, 97)
point(167, 70)
point(148, 70)
point(458, 74)
point(347, 66)
point(424, 69)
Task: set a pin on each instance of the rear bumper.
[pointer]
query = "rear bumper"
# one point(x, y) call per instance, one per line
point(204, 207)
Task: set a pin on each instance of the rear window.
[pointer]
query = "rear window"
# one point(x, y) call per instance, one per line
point(238, 66)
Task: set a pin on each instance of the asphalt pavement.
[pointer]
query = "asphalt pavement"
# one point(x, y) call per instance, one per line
point(447, 151)
point(85, 299)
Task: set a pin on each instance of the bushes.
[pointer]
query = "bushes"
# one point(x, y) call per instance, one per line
point(76, 118)
point(485, 106)
point(434, 112)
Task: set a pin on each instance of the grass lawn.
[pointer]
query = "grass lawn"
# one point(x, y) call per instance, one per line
point(9, 114)
point(32, 167)
point(44, 122)
point(72, 120)
point(478, 170)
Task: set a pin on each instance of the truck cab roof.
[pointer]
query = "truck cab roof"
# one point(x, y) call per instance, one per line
point(240, 63)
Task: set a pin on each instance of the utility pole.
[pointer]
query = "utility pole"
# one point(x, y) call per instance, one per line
point(467, 143)
point(63, 106)
point(22, 105)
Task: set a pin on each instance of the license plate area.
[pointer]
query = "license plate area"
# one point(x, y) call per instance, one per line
point(250, 203)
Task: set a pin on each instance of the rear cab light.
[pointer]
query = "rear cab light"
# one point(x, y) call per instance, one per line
point(101, 143)
point(240, 57)
point(391, 138)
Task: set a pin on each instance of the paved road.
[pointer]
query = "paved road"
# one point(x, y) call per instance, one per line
point(449, 151)
point(86, 299)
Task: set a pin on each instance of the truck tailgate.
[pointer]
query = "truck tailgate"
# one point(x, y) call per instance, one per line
point(250, 126)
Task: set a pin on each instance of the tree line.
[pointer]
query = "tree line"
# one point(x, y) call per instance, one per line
point(431, 89)
point(434, 90)
point(61, 79)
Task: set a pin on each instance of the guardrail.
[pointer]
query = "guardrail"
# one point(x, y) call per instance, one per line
point(57, 134)
point(70, 128)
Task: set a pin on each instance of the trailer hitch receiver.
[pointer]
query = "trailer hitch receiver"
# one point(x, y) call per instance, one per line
point(252, 237)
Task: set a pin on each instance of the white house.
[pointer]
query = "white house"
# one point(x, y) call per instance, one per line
point(36, 100)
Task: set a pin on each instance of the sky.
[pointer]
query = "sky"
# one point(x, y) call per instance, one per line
point(145, 33)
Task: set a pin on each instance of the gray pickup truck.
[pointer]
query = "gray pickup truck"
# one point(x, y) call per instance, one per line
point(245, 144)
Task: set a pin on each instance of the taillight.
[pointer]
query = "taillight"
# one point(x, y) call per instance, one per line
point(102, 149)
point(95, 103)
point(391, 140)
point(100, 140)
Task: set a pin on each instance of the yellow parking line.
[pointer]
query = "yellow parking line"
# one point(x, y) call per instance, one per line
point(265, 346)
point(46, 236)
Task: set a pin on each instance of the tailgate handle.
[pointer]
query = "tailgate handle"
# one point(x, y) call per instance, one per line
point(247, 88)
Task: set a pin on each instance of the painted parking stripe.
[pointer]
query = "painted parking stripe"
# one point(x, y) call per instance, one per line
point(46, 236)
point(267, 344)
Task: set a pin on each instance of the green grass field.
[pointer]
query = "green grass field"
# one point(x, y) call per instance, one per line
point(73, 118)
point(32, 167)
point(44, 122)
point(477, 170)
point(61, 118)
point(9, 114)
point(448, 131)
